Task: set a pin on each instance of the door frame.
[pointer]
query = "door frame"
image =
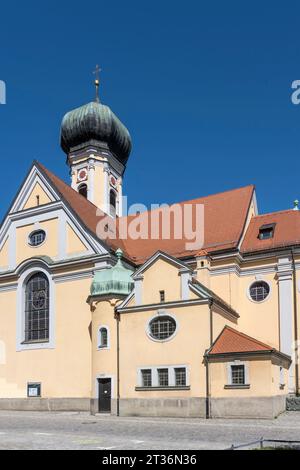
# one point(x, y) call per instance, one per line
point(105, 376)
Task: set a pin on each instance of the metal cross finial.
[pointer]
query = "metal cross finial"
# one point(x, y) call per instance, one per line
point(97, 81)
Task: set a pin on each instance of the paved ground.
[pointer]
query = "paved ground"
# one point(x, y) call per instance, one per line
point(42, 430)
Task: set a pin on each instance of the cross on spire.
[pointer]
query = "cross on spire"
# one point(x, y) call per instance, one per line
point(97, 81)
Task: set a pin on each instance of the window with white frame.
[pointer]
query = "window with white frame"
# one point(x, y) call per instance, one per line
point(259, 291)
point(163, 377)
point(37, 308)
point(237, 374)
point(146, 377)
point(180, 376)
point(162, 327)
point(103, 338)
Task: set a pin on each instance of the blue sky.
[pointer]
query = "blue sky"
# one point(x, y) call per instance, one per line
point(204, 88)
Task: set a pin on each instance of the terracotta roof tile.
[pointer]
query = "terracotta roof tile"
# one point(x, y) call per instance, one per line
point(286, 232)
point(224, 220)
point(233, 341)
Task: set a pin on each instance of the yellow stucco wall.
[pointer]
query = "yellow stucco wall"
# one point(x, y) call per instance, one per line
point(48, 248)
point(74, 244)
point(32, 198)
point(64, 371)
point(4, 255)
point(161, 276)
point(263, 379)
point(104, 360)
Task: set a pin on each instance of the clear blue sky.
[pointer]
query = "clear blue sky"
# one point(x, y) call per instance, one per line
point(204, 88)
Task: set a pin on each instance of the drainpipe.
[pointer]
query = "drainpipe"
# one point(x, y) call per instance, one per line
point(117, 317)
point(295, 324)
point(207, 397)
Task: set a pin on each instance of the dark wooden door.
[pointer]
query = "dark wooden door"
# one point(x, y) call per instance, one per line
point(104, 395)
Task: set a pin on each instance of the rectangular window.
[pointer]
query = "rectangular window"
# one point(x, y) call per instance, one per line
point(180, 376)
point(163, 377)
point(162, 295)
point(33, 389)
point(266, 231)
point(146, 378)
point(238, 375)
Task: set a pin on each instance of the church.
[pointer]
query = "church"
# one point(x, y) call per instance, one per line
point(92, 320)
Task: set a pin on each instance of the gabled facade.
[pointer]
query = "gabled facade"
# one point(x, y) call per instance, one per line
point(92, 320)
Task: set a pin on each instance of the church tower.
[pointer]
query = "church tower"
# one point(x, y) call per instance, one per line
point(97, 146)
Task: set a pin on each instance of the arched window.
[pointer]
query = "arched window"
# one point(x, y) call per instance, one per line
point(37, 308)
point(112, 202)
point(82, 189)
point(103, 338)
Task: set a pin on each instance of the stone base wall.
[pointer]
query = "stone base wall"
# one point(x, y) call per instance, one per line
point(163, 407)
point(293, 403)
point(252, 407)
point(45, 404)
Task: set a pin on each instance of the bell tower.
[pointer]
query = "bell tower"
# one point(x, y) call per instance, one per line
point(97, 146)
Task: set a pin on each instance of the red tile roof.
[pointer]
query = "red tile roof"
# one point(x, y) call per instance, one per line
point(233, 341)
point(224, 220)
point(286, 233)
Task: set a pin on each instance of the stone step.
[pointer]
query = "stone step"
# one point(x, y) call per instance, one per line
point(293, 403)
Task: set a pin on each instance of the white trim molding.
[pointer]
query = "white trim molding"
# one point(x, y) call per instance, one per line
point(229, 373)
point(285, 289)
point(20, 320)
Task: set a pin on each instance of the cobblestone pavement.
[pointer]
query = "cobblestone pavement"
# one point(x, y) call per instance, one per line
point(42, 430)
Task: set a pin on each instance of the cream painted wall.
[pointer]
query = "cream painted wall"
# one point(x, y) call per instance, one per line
point(64, 371)
point(74, 244)
point(48, 248)
point(185, 348)
point(104, 361)
point(4, 255)
point(32, 198)
point(162, 275)
point(257, 319)
point(263, 379)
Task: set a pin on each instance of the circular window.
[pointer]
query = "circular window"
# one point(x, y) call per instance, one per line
point(259, 291)
point(37, 237)
point(162, 327)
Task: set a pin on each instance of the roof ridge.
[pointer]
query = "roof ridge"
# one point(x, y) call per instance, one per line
point(252, 186)
point(284, 211)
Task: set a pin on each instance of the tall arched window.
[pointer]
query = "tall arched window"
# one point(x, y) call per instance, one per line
point(37, 308)
point(103, 338)
point(112, 202)
point(82, 189)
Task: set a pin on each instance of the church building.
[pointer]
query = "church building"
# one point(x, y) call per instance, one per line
point(92, 320)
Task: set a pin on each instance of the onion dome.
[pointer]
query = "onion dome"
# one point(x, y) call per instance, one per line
point(94, 123)
point(113, 281)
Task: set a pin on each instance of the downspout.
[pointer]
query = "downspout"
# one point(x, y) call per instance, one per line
point(207, 397)
point(295, 325)
point(117, 317)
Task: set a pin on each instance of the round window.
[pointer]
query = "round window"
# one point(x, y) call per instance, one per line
point(259, 291)
point(37, 237)
point(162, 327)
